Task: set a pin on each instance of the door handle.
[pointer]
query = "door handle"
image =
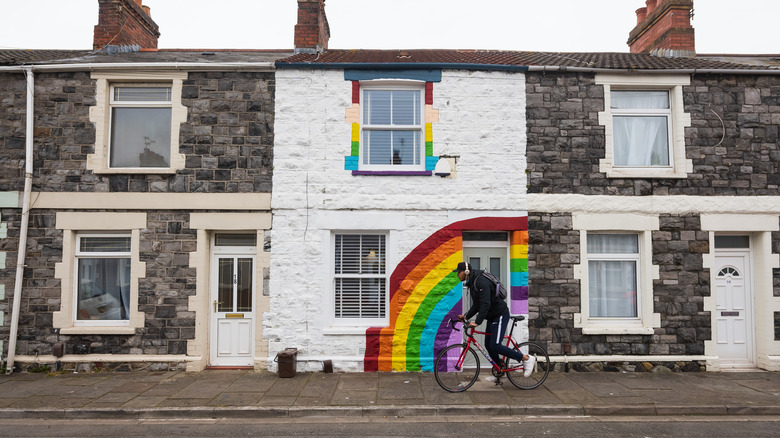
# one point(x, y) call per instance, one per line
point(215, 305)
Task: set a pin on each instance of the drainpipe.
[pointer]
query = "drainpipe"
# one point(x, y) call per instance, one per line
point(22, 251)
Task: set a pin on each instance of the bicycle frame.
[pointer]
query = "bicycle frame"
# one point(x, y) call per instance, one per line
point(469, 339)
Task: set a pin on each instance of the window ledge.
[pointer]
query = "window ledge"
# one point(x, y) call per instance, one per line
point(618, 331)
point(139, 170)
point(97, 330)
point(393, 172)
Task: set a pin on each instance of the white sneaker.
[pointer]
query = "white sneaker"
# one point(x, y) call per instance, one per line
point(528, 365)
point(490, 379)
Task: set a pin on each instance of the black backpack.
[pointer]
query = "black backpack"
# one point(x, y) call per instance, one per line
point(500, 289)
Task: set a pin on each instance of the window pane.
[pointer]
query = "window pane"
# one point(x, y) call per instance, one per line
point(406, 108)
point(104, 244)
point(376, 149)
point(612, 289)
point(377, 107)
point(103, 289)
point(474, 264)
point(225, 286)
point(641, 140)
point(247, 239)
point(640, 99)
point(732, 242)
point(142, 94)
point(360, 298)
point(613, 244)
point(140, 137)
point(406, 147)
point(360, 254)
point(244, 285)
point(495, 266)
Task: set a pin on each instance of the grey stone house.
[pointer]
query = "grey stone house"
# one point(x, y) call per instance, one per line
point(136, 187)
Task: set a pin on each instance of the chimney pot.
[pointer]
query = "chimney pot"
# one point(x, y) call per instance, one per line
point(651, 5)
point(641, 13)
point(148, 10)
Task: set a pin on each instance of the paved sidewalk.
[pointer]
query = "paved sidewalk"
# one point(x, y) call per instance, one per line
point(221, 393)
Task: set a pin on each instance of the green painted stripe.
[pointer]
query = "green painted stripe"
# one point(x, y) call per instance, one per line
point(518, 265)
point(421, 319)
point(428, 148)
point(355, 148)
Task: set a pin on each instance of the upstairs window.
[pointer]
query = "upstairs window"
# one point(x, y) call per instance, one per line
point(140, 127)
point(392, 129)
point(640, 124)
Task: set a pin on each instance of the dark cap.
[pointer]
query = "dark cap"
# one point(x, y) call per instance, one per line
point(461, 267)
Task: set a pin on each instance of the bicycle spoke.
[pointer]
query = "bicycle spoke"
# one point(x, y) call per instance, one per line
point(455, 369)
point(540, 369)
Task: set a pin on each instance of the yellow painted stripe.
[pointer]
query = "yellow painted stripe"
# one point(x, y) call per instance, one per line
point(428, 132)
point(406, 315)
point(355, 132)
point(518, 251)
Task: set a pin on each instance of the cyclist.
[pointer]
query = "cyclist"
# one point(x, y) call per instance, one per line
point(487, 306)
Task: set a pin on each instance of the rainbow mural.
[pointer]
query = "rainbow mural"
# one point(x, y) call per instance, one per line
point(425, 294)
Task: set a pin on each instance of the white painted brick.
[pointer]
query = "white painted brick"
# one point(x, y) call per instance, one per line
point(481, 120)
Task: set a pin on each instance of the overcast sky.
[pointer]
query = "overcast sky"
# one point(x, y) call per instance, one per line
point(722, 26)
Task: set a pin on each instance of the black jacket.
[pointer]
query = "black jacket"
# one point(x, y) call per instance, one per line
point(484, 302)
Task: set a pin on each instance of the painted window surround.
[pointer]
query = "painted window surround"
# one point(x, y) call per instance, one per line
point(759, 228)
point(643, 226)
point(100, 116)
point(71, 225)
point(403, 78)
point(680, 166)
point(206, 224)
point(365, 223)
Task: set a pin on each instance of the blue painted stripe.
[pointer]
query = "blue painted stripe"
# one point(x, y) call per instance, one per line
point(518, 279)
point(429, 75)
point(440, 311)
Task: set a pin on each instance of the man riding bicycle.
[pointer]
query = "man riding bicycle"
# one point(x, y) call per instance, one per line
point(487, 306)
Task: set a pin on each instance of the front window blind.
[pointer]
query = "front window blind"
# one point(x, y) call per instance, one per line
point(360, 276)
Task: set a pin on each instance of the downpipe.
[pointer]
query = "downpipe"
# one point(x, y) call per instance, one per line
point(22, 249)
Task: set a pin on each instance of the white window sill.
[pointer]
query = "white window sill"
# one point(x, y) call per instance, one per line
point(136, 170)
point(637, 172)
point(617, 330)
point(97, 330)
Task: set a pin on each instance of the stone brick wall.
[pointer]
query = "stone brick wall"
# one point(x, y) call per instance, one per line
point(228, 138)
point(554, 249)
point(165, 246)
point(565, 141)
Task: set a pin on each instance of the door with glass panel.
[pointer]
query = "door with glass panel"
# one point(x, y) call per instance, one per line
point(733, 302)
point(487, 251)
point(233, 302)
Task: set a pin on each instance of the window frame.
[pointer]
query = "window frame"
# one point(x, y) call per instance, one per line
point(78, 255)
point(419, 128)
point(340, 321)
point(642, 226)
point(114, 104)
point(101, 116)
point(618, 257)
point(74, 225)
point(677, 120)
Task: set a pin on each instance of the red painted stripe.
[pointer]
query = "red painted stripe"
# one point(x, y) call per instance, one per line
point(355, 92)
point(429, 93)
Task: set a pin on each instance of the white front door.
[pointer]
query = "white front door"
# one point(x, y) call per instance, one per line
point(233, 314)
point(734, 310)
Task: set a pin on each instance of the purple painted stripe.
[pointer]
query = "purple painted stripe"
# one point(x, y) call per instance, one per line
point(394, 172)
point(519, 292)
point(519, 307)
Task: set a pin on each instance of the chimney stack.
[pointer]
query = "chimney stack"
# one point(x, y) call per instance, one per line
point(312, 31)
point(124, 23)
point(664, 28)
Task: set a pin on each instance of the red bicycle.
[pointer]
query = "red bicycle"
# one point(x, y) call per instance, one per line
point(457, 366)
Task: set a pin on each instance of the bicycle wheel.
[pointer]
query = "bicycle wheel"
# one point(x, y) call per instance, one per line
point(455, 369)
point(540, 370)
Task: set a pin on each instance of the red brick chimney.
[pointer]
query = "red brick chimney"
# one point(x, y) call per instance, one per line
point(124, 23)
point(312, 31)
point(664, 28)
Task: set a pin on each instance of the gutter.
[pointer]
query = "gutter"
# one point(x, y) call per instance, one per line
point(22, 248)
point(515, 68)
point(187, 66)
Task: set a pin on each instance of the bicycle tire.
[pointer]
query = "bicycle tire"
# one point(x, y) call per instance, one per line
point(541, 367)
point(456, 380)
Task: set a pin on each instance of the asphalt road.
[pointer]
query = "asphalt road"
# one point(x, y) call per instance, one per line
point(412, 426)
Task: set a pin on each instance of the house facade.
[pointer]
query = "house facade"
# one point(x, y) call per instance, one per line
point(183, 209)
point(144, 180)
